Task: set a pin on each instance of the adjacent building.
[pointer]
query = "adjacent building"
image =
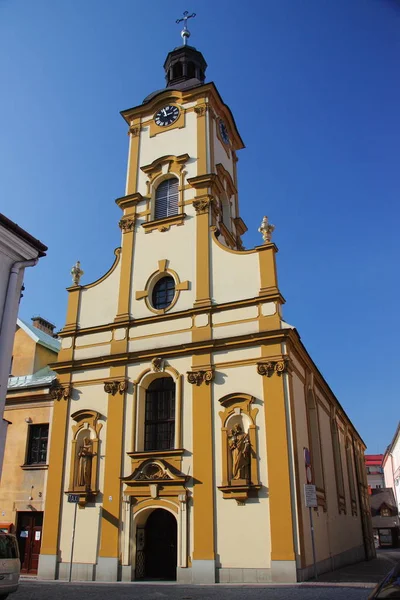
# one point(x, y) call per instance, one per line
point(29, 410)
point(391, 466)
point(188, 413)
point(385, 519)
point(18, 250)
point(374, 468)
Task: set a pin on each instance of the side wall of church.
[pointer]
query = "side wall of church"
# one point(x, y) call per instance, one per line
point(337, 528)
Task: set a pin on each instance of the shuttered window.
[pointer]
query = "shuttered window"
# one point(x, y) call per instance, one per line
point(166, 199)
point(159, 427)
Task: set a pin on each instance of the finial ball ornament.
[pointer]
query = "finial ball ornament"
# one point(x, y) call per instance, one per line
point(266, 230)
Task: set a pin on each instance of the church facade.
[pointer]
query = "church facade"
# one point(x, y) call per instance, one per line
point(188, 414)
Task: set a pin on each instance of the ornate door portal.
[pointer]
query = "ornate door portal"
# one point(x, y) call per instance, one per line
point(157, 547)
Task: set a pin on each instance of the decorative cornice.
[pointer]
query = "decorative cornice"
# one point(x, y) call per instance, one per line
point(270, 367)
point(165, 223)
point(202, 181)
point(127, 224)
point(202, 204)
point(128, 201)
point(112, 387)
point(61, 392)
point(197, 377)
point(201, 109)
point(134, 131)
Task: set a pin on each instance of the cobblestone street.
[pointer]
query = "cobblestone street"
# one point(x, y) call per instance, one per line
point(134, 591)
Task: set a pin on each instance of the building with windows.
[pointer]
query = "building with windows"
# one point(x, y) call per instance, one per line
point(374, 468)
point(385, 517)
point(29, 407)
point(18, 251)
point(391, 466)
point(185, 402)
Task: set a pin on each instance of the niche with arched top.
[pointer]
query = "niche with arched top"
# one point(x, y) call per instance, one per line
point(83, 477)
point(239, 447)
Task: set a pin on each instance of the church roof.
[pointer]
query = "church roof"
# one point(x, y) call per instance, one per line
point(39, 336)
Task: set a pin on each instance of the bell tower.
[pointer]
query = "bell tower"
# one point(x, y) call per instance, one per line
point(181, 180)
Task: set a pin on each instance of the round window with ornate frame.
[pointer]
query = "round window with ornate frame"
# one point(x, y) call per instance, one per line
point(162, 289)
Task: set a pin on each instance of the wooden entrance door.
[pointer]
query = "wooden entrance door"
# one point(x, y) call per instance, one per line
point(160, 546)
point(29, 535)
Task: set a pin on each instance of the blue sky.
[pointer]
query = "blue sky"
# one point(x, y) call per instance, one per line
point(314, 87)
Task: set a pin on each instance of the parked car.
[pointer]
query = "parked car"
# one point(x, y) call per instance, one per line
point(10, 564)
point(389, 587)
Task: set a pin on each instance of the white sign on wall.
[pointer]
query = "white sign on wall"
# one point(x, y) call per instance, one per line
point(310, 495)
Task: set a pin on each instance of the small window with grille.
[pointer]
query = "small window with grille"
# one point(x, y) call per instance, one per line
point(163, 292)
point(159, 428)
point(166, 201)
point(37, 444)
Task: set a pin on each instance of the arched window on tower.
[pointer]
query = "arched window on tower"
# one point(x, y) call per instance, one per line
point(159, 426)
point(177, 70)
point(191, 70)
point(166, 200)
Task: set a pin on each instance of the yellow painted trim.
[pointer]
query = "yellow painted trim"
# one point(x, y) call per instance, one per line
point(146, 294)
point(164, 224)
point(297, 476)
point(203, 467)
point(110, 514)
point(281, 522)
point(157, 503)
point(170, 96)
point(117, 253)
point(215, 240)
point(133, 165)
point(55, 475)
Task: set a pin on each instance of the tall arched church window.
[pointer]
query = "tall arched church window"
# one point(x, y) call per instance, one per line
point(159, 427)
point(316, 452)
point(166, 200)
point(337, 460)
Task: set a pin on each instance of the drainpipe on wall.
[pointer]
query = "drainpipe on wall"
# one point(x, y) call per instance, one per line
point(7, 332)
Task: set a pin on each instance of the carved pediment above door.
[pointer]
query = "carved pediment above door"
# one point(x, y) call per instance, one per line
point(155, 476)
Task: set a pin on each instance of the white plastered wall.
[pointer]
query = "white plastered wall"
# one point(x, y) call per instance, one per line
point(176, 246)
point(234, 275)
point(99, 304)
point(173, 142)
point(334, 533)
point(242, 532)
point(91, 397)
point(220, 155)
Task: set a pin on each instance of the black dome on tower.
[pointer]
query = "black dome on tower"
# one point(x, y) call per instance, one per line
point(185, 68)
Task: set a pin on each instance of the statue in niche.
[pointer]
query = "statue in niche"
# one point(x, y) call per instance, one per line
point(85, 456)
point(239, 445)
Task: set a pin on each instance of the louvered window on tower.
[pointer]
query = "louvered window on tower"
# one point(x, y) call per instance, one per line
point(166, 199)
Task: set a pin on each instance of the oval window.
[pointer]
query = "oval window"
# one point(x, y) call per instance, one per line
point(163, 292)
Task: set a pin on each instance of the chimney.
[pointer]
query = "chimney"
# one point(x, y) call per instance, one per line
point(43, 325)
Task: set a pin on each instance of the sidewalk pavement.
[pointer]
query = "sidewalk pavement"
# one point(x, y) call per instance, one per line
point(368, 571)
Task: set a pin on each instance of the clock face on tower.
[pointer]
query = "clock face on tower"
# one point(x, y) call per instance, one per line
point(224, 132)
point(166, 116)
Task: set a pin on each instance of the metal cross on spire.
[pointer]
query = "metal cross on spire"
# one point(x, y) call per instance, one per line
point(185, 33)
